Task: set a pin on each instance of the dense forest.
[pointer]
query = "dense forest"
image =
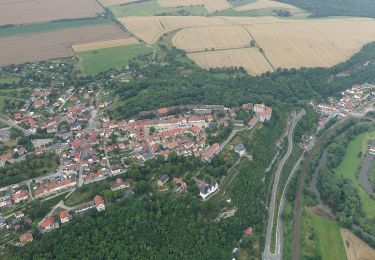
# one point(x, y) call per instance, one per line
point(179, 83)
point(322, 8)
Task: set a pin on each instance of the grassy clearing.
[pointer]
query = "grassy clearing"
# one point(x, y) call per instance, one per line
point(11, 94)
point(93, 62)
point(237, 3)
point(316, 232)
point(153, 8)
point(350, 166)
point(50, 26)
point(77, 198)
point(9, 80)
point(232, 12)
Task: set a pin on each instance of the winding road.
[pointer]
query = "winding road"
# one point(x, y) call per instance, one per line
point(267, 255)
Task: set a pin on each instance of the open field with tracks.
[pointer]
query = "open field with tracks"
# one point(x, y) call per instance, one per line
point(210, 5)
point(151, 28)
point(355, 248)
point(249, 58)
point(265, 4)
point(116, 2)
point(216, 37)
point(287, 43)
point(321, 43)
point(103, 44)
point(54, 44)
point(32, 11)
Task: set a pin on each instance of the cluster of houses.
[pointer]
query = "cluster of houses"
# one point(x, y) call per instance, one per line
point(350, 99)
point(51, 222)
point(13, 198)
point(42, 110)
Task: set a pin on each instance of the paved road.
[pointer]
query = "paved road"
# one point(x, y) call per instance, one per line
point(267, 255)
point(365, 172)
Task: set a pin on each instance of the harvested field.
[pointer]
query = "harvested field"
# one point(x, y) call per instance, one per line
point(104, 44)
point(54, 44)
point(355, 248)
point(265, 4)
point(216, 37)
point(211, 5)
point(320, 43)
point(37, 11)
point(116, 2)
point(249, 58)
point(151, 28)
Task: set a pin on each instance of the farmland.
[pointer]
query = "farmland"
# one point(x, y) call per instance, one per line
point(287, 43)
point(103, 44)
point(116, 2)
point(265, 4)
point(249, 58)
point(212, 37)
point(50, 26)
point(30, 11)
point(93, 62)
point(149, 8)
point(355, 248)
point(151, 28)
point(210, 5)
point(54, 44)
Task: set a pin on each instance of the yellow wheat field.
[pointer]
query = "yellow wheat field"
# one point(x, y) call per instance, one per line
point(212, 37)
point(116, 2)
point(355, 248)
point(265, 4)
point(151, 28)
point(104, 44)
point(210, 5)
point(312, 43)
point(249, 58)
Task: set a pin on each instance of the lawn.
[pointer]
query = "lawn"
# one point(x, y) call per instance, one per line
point(350, 166)
point(50, 26)
point(9, 80)
point(325, 231)
point(93, 62)
point(153, 8)
point(78, 197)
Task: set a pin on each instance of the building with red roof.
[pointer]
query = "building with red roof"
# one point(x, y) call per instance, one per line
point(26, 238)
point(99, 203)
point(48, 223)
point(64, 216)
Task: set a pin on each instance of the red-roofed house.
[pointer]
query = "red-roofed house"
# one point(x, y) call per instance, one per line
point(48, 223)
point(248, 231)
point(19, 196)
point(99, 203)
point(64, 216)
point(211, 151)
point(26, 238)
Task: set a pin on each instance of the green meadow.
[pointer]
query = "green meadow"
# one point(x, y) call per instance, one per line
point(96, 61)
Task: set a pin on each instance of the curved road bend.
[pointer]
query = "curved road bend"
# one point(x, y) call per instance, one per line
point(267, 255)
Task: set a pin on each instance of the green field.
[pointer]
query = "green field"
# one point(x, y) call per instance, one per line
point(93, 62)
point(321, 238)
point(9, 80)
point(350, 166)
point(10, 94)
point(50, 26)
point(236, 3)
point(153, 8)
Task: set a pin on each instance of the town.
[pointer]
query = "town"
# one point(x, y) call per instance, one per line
point(70, 128)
